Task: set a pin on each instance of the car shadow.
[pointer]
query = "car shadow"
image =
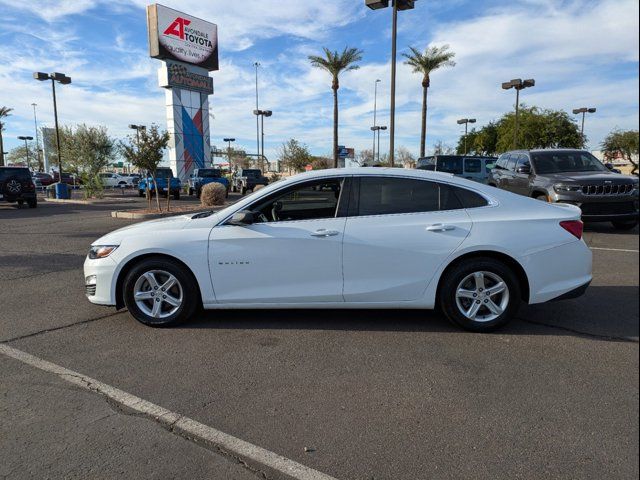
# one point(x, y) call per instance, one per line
point(603, 313)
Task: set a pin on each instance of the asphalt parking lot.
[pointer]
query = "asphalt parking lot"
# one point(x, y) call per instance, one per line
point(352, 394)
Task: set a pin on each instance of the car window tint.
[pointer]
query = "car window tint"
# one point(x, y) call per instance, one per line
point(472, 165)
point(523, 161)
point(449, 164)
point(312, 200)
point(511, 165)
point(386, 196)
point(8, 172)
point(470, 199)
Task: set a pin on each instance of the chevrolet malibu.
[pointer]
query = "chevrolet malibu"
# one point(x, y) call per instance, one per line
point(349, 238)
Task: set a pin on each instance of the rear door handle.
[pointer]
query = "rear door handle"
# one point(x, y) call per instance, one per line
point(322, 232)
point(440, 227)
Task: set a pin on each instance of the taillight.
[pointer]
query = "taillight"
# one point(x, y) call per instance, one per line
point(574, 227)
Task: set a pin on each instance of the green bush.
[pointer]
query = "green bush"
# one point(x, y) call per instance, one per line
point(213, 194)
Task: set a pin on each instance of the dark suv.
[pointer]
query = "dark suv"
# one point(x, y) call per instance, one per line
point(570, 176)
point(16, 185)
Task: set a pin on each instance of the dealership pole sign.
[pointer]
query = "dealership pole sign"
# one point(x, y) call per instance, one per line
point(188, 48)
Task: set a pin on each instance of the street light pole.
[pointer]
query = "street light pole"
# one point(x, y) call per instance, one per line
point(397, 5)
point(466, 122)
point(583, 111)
point(518, 84)
point(35, 123)
point(257, 64)
point(26, 147)
point(375, 111)
point(229, 140)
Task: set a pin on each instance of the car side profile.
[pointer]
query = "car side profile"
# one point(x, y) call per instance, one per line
point(572, 177)
point(349, 238)
point(470, 167)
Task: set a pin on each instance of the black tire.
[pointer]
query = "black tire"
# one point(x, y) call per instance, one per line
point(542, 197)
point(234, 189)
point(188, 286)
point(630, 225)
point(20, 203)
point(141, 193)
point(191, 192)
point(33, 203)
point(244, 190)
point(176, 196)
point(453, 277)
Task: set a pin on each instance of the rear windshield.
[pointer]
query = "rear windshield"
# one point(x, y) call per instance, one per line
point(427, 163)
point(450, 164)
point(558, 162)
point(210, 173)
point(164, 173)
point(7, 172)
point(251, 173)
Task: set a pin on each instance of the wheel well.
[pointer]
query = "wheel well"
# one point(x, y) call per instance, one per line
point(535, 193)
point(134, 261)
point(506, 259)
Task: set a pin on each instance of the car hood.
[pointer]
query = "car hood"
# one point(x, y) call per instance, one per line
point(589, 177)
point(144, 228)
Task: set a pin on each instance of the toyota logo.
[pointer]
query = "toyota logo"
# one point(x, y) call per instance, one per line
point(13, 186)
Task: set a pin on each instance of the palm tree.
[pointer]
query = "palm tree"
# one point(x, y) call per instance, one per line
point(4, 112)
point(425, 63)
point(335, 63)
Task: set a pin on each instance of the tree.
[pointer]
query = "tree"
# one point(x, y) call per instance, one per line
point(480, 142)
point(405, 157)
point(365, 157)
point(321, 163)
point(426, 63)
point(539, 128)
point(622, 143)
point(146, 154)
point(21, 155)
point(441, 148)
point(294, 156)
point(335, 63)
point(4, 113)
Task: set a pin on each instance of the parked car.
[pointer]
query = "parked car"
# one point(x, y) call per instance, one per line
point(469, 167)
point(203, 176)
point(246, 179)
point(573, 177)
point(16, 185)
point(167, 184)
point(115, 180)
point(44, 178)
point(68, 178)
point(349, 238)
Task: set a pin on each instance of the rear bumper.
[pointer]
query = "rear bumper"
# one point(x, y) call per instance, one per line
point(575, 293)
point(557, 271)
point(22, 196)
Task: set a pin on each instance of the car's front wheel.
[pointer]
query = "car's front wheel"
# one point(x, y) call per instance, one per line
point(160, 292)
point(480, 294)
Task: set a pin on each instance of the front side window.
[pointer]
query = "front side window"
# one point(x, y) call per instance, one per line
point(386, 196)
point(511, 164)
point(523, 161)
point(472, 165)
point(309, 201)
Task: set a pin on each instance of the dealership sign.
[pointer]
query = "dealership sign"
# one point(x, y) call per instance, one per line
point(179, 75)
point(174, 35)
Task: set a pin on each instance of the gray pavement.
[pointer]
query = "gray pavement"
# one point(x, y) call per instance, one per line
point(375, 394)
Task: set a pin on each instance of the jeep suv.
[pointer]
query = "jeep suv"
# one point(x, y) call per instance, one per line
point(16, 185)
point(570, 176)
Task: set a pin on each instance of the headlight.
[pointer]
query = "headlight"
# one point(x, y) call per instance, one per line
point(101, 251)
point(560, 188)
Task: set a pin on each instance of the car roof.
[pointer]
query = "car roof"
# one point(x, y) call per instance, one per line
point(548, 150)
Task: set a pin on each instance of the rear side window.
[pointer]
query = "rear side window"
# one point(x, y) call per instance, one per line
point(450, 164)
point(387, 196)
point(469, 199)
point(472, 165)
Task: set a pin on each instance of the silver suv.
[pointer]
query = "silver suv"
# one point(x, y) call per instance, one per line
point(570, 176)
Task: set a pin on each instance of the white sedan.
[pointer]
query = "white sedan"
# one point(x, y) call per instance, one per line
point(115, 180)
point(349, 238)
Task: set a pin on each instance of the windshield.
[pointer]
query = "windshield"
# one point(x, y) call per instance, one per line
point(164, 173)
point(210, 173)
point(558, 162)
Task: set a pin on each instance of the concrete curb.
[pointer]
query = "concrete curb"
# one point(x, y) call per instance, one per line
point(101, 201)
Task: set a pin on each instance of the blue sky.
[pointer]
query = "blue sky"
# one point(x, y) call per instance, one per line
point(581, 53)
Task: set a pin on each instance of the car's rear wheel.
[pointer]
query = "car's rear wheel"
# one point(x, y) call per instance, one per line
point(176, 196)
point(160, 293)
point(480, 294)
point(625, 225)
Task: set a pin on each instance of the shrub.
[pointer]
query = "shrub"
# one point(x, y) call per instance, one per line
point(213, 194)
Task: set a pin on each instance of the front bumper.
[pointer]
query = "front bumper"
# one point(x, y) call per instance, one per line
point(99, 280)
point(602, 208)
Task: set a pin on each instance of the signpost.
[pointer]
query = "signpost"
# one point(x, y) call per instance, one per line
point(188, 47)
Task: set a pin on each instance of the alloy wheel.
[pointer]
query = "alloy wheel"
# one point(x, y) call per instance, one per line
point(158, 294)
point(482, 296)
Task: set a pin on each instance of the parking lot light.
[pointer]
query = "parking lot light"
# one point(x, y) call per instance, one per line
point(583, 111)
point(466, 122)
point(63, 80)
point(229, 140)
point(375, 129)
point(26, 147)
point(397, 5)
point(518, 84)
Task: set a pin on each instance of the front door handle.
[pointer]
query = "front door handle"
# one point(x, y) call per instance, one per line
point(440, 227)
point(323, 232)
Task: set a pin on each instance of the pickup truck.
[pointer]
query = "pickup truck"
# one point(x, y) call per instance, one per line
point(167, 184)
point(247, 179)
point(203, 176)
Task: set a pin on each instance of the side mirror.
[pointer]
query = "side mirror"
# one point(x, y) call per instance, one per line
point(524, 169)
point(243, 217)
point(609, 165)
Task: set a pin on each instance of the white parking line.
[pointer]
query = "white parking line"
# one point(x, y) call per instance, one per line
point(174, 421)
point(614, 249)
